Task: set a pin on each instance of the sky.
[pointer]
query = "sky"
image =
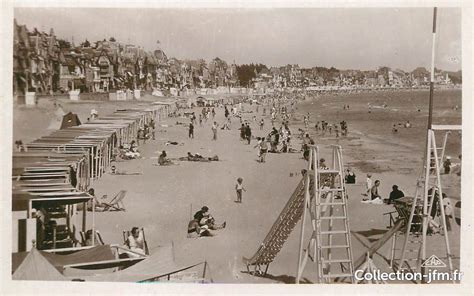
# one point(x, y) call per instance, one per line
point(344, 38)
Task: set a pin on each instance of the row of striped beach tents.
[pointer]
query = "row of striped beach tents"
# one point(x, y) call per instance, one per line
point(44, 172)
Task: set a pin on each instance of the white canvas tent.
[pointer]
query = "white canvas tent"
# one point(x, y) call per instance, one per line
point(56, 119)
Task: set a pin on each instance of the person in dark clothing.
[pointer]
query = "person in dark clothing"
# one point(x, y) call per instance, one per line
point(73, 176)
point(204, 220)
point(305, 147)
point(350, 177)
point(203, 212)
point(226, 112)
point(242, 131)
point(447, 165)
point(248, 133)
point(395, 194)
point(191, 130)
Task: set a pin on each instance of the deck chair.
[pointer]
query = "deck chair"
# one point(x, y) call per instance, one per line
point(115, 204)
point(126, 234)
point(98, 238)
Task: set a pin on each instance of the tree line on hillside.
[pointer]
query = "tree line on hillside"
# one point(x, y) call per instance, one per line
point(246, 72)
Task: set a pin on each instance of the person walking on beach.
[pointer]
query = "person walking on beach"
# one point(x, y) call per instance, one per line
point(214, 131)
point(242, 132)
point(213, 112)
point(263, 149)
point(248, 133)
point(226, 112)
point(239, 187)
point(191, 130)
point(262, 123)
point(152, 128)
point(447, 165)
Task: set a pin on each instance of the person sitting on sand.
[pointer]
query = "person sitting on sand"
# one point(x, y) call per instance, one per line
point(195, 230)
point(395, 194)
point(350, 177)
point(394, 129)
point(162, 160)
point(407, 124)
point(98, 204)
point(132, 151)
point(202, 223)
point(204, 211)
point(133, 146)
point(374, 191)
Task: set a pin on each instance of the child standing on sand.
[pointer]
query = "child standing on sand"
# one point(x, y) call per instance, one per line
point(238, 188)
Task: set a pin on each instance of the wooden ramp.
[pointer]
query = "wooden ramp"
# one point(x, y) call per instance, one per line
point(278, 234)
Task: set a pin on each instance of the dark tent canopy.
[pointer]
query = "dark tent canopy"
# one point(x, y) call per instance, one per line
point(69, 120)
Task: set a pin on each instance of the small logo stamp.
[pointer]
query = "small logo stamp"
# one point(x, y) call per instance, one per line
point(433, 261)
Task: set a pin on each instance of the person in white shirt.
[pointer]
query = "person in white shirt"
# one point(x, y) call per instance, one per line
point(239, 187)
point(136, 241)
point(214, 131)
point(368, 184)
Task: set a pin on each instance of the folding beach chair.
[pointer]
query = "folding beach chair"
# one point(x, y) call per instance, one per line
point(115, 204)
point(126, 234)
point(98, 238)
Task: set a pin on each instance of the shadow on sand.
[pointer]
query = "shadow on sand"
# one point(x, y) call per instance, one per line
point(368, 234)
point(286, 279)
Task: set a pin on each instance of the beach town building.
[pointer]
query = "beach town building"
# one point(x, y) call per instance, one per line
point(45, 64)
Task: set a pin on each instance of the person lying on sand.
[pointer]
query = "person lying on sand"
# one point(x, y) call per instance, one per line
point(173, 143)
point(115, 171)
point(198, 157)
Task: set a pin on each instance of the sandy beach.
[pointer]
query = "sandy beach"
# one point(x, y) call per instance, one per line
point(162, 198)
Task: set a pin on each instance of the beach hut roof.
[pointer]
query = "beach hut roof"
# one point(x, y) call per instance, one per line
point(160, 264)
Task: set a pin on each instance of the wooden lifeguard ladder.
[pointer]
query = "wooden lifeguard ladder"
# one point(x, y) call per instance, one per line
point(330, 242)
point(428, 192)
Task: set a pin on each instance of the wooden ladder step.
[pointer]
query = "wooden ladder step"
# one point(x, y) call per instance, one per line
point(333, 217)
point(334, 246)
point(332, 203)
point(331, 190)
point(334, 232)
point(336, 261)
